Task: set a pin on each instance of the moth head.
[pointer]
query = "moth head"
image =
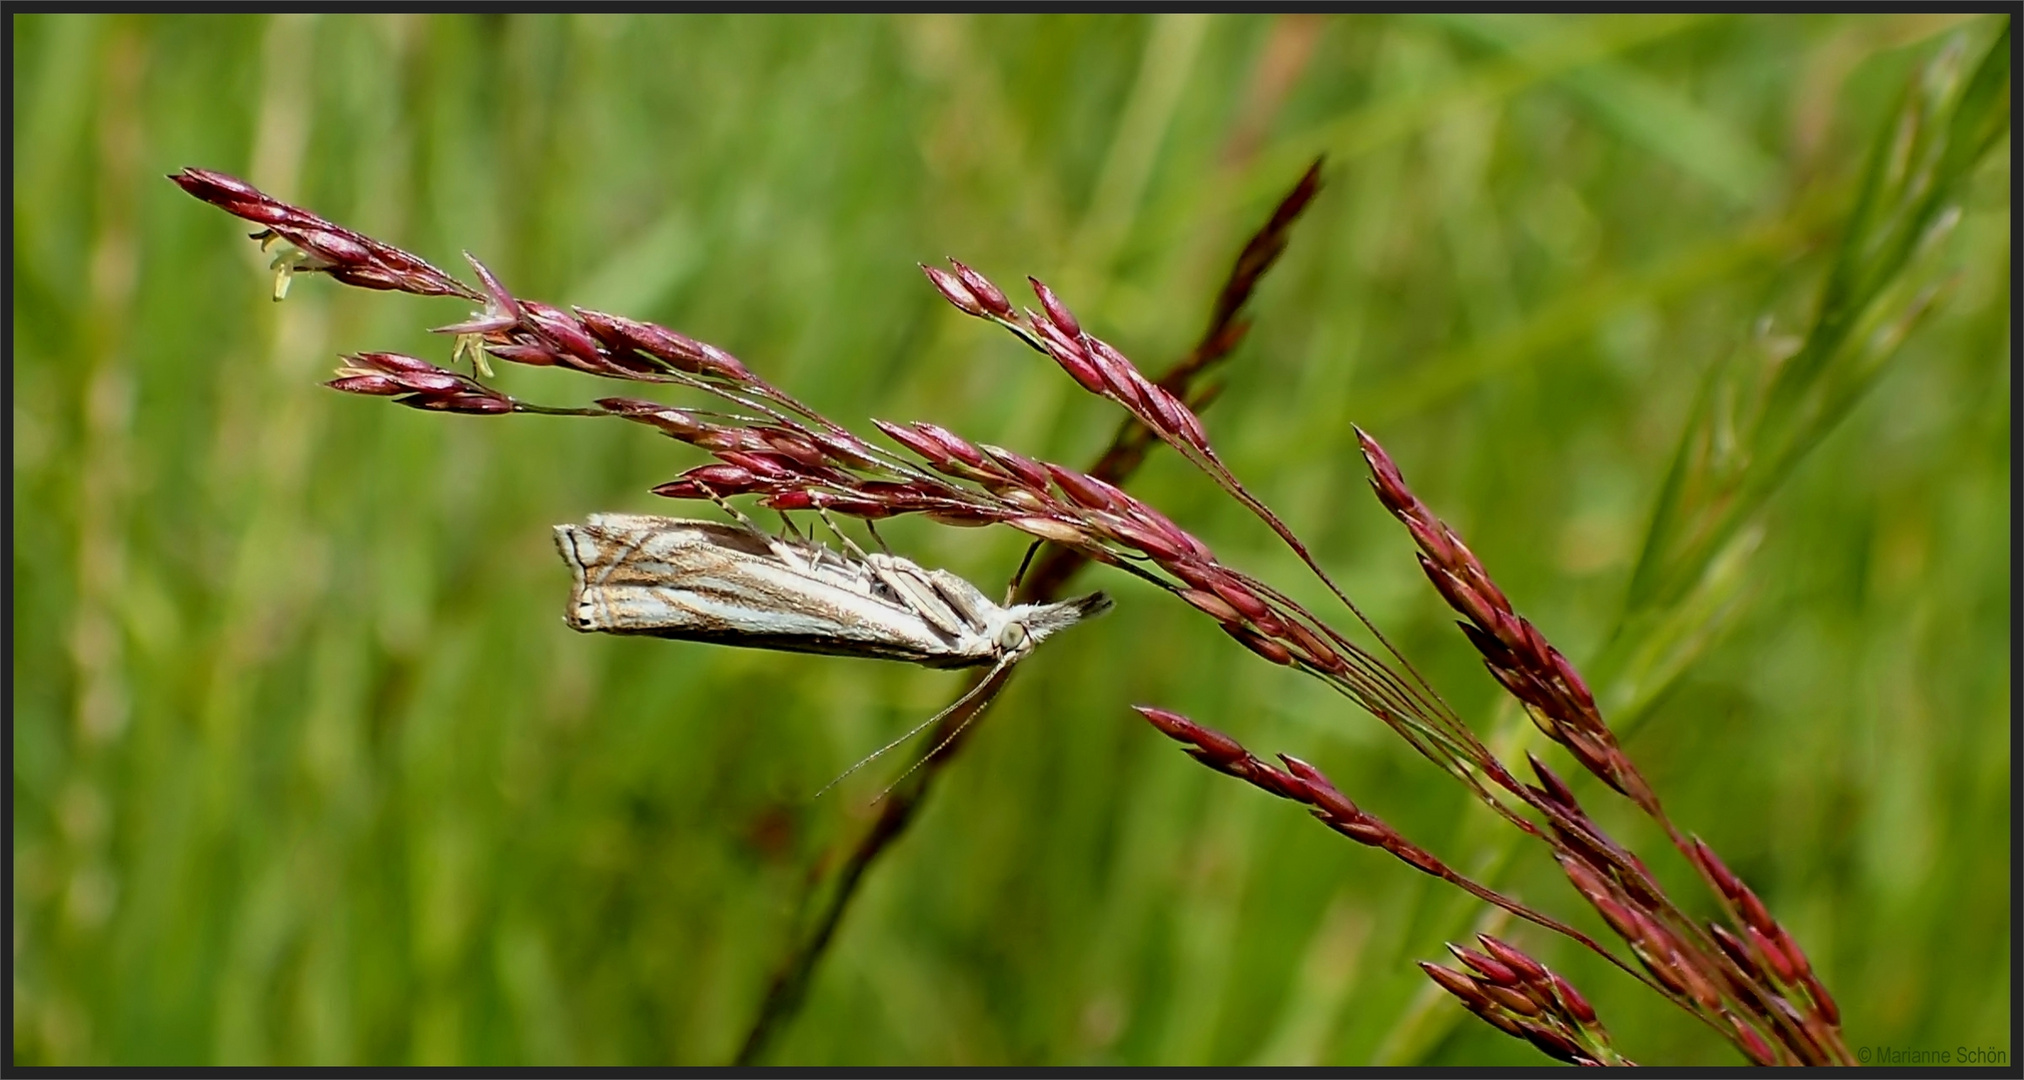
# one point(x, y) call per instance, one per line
point(1013, 639)
point(1035, 622)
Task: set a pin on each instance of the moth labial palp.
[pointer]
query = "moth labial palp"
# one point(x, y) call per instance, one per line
point(734, 585)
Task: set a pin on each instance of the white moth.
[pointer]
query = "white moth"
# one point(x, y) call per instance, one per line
point(734, 585)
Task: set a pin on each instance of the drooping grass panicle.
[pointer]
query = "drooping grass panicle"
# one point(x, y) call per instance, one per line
point(318, 246)
point(1674, 956)
point(770, 446)
point(1305, 784)
point(796, 459)
point(1522, 997)
point(1749, 979)
point(791, 458)
point(1516, 653)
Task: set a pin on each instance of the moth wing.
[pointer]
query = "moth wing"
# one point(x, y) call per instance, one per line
point(701, 581)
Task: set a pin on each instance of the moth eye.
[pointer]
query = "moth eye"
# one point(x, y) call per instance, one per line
point(1012, 636)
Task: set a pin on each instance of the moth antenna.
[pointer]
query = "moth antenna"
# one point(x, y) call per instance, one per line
point(1012, 588)
point(1002, 667)
point(917, 729)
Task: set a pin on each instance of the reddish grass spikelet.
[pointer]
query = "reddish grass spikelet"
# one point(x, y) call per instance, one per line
point(923, 447)
point(1551, 785)
point(1150, 516)
point(325, 248)
point(1773, 956)
point(1260, 644)
point(1122, 382)
point(371, 385)
point(1238, 596)
point(1311, 649)
point(1023, 470)
point(1057, 312)
point(801, 450)
point(955, 291)
point(1823, 1002)
point(1026, 500)
point(630, 407)
point(719, 364)
point(1200, 575)
point(1571, 1000)
point(1699, 985)
point(1753, 1044)
point(1321, 793)
point(1511, 1001)
point(704, 481)
point(1272, 627)
point(559, 329)
point(1054, 529)
point(678, 351)
point(1726, 882)
point(1734, 948)
point(499, 303)
point(1491, 969)
point(1557, 1046)
point(1085, 490)
point(1068, 353)
point(761, 465)
point(952, 444)
point(418, 384)
point(1211, 604)
point(987, 295)
point(1207, 744)
point(1224, 754)
point(678, 424)
point(1157, 545)
point(1177, 420)
point(528, 354)
point(1511, 957)
point(1456, 983)
point(845, 449)
point(1522, 997)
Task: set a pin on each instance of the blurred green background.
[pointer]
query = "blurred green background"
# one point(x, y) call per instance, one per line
point(308, 770)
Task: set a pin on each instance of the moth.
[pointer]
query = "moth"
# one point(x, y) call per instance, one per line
point(735, 585)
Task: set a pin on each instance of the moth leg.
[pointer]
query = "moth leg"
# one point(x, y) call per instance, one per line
point(848, 544)
point(878, 570)
point(904, 591)
point(736, 514)
point(787, 529)
point(873, 530)
point(1019, 575)
point(786, 552)
point(906, 586)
